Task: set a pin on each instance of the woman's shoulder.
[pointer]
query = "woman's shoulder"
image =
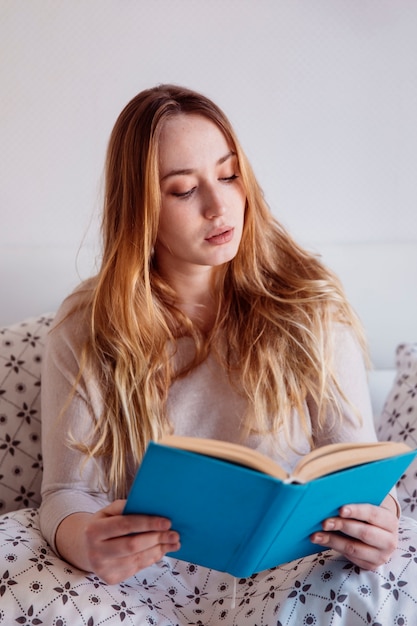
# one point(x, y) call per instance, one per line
point(72, 320)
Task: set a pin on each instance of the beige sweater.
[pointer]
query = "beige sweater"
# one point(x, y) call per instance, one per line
point(202, 405)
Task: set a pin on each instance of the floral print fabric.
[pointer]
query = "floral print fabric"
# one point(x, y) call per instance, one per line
point(36, 587)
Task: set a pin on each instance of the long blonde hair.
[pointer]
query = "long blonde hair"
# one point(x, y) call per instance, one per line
point(277, 302)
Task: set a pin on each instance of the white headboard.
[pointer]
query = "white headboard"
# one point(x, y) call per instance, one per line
point(380, 280)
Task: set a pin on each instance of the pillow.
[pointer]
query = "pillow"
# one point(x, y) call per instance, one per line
point(21, 347)
point(399, 421)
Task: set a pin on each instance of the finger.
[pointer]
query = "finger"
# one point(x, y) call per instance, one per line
point(363, 555)
point(144, 522)
point(365, 533)
point(104, 526)
point(363, 542)
point(372, 525)
point(115, 570)
point(379, 516)
point(130, 545)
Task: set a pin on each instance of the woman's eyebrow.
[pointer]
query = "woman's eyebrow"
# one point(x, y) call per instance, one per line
point(188, 172)
point(226, 157)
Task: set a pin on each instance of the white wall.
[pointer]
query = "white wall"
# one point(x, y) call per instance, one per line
point(323, 94)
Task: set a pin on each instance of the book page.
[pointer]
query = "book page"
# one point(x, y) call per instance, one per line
point(319, 462)
point(227, 451)
point(337, 456)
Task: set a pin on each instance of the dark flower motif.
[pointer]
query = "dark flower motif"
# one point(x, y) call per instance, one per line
point(14, 363)
point(394, 415)
point(412, 500)
point(46, 321)
point(28, 619)
point(31, 339)
point(10, 444)
point(24, 497)
point(18, 539)
point(413, 391)
point(197, 595)
point(123, 610)
point(26, 413)
point(335, 602)
point(406, 431)
point(97, 582)
point(394, 587)
point(65, 592)
point(411, 554)
point(41, 560)
point(299, 591)
point(6, 581)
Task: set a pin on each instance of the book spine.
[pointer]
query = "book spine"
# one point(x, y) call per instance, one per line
point(284, 500)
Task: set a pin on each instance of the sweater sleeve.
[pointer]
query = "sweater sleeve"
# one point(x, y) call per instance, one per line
point(70, 482)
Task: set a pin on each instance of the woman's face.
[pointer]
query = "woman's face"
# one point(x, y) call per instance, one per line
point(203, 201)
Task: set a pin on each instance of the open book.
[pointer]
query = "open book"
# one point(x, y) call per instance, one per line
point(237, 511)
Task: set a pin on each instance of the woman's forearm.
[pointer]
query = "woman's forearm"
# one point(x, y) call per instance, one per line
point(70, 540)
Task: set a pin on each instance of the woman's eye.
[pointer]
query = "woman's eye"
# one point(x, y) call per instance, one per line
point(184, 194)
point(229, 179)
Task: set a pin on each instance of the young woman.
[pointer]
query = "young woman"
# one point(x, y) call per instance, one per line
point(205, 318)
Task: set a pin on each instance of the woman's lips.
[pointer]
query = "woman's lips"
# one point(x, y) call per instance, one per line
point(221, 236)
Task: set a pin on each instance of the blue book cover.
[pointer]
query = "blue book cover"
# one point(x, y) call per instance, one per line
point(240, 520)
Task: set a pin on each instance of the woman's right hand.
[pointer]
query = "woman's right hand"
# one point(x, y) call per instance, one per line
point(112, 545)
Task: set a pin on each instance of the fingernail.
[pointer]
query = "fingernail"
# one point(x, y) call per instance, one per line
point(329, 524)
point(175, 547)
point(318, 538)
point(165, 524)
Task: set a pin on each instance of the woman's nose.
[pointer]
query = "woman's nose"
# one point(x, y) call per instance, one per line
point(213, 204)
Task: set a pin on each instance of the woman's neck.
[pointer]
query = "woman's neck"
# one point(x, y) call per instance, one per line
point(195, 296)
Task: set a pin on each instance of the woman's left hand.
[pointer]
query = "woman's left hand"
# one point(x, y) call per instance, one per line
point(370, 533)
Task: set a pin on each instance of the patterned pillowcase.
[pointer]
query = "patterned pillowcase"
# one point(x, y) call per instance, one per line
point(399, 421)
point(21, 348)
